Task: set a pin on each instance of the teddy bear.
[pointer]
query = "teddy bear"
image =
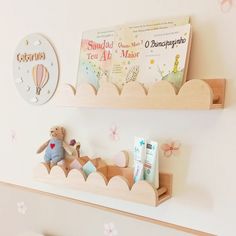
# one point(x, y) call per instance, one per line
point(55, 146)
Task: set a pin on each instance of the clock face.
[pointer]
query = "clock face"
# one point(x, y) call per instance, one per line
point(35, 69)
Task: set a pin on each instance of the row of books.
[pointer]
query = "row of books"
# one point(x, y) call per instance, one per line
point(146, 52)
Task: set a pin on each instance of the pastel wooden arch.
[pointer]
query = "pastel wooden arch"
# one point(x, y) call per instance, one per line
point(118, 187)
point(147, 191)
point(57, 175)
point(195, 94)
point(76, 179)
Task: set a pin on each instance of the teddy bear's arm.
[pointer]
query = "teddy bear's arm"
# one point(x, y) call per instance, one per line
point(43, 146)
point(67, 148)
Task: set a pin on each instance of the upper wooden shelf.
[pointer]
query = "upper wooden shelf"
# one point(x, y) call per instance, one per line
point(194, 94)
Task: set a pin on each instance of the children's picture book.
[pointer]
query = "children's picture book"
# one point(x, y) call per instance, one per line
point(95, 56)
point(129, 45)
point(164, 55)
point(118, 54)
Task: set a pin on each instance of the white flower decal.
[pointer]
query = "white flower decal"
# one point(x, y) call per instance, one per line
point(21, 207)
point(110, 230)
point(13, 136)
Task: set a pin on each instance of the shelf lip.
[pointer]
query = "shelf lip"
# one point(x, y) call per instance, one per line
point(117, 187)
point(195, 94)
point(218, 87)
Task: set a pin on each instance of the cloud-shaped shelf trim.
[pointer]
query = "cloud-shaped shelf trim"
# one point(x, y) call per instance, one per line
point(194, 94)
point(116, 187)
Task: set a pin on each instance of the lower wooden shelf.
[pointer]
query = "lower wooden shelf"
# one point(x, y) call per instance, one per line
point(113, 181)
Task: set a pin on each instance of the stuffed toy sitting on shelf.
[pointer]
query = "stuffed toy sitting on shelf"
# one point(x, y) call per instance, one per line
point(55, 146)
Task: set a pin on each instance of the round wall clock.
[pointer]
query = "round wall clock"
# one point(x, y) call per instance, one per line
point(35, 69)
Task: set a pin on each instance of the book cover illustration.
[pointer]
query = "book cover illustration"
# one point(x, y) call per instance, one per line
point(125, 60)
point(95, 56)
point(128, 43)
point(164, 55)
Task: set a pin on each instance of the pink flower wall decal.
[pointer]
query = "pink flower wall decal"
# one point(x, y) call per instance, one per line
point(226, 5)
point(114, 133)
point(170, 149)
point(110, 230)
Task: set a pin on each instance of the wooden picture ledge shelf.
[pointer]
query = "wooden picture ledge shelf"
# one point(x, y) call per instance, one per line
point(113, 181)
point(194, 94)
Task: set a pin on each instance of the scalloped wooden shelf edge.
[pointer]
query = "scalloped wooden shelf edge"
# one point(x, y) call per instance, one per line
point(194, 94)
point(113, 185)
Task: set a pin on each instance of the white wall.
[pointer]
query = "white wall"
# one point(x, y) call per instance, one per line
point(204, 173)
point(34, 212)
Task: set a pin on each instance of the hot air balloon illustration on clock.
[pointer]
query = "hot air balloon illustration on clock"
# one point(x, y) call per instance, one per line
point(35, 69)
point(40, 77)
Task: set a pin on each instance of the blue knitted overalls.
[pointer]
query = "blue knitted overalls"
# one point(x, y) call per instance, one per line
point(54, 152)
